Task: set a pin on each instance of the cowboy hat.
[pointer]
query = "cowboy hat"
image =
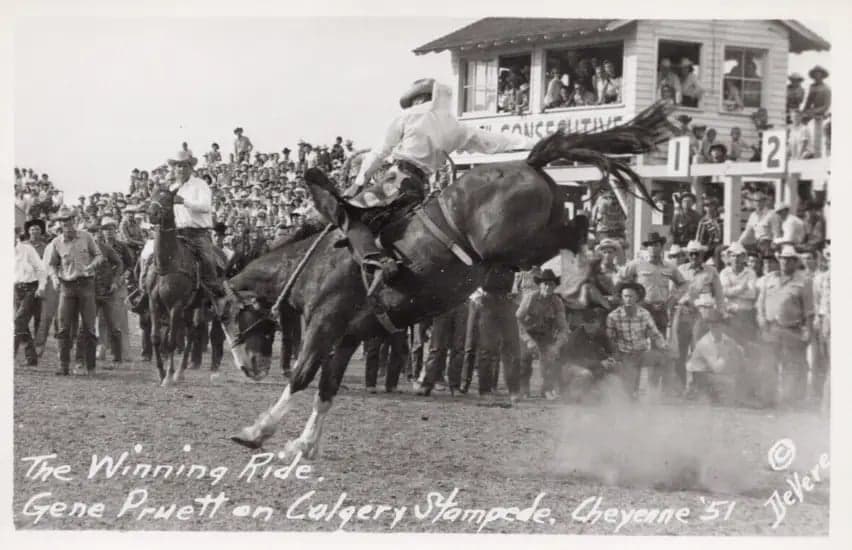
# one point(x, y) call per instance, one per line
point(65, 212)
point(182, 157)
point(106, 221)
point(695, 246)
point(547, 276)
point(420, 87)
point(675, 250)
point(736, 249)
point(608, 243)
point(653, 238)
point(795, 77)
point(818, 69)
point(684, 119)
point(35, 222)
point(238, 129)
point(781, 206)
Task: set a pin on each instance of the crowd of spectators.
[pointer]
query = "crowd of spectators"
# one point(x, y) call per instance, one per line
point(590, 81)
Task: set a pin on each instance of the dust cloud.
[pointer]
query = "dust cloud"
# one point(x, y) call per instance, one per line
point(682, 446)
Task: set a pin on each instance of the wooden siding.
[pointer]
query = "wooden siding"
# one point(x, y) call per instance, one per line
point(714, 36)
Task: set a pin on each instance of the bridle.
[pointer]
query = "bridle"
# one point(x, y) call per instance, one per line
point(242, 304)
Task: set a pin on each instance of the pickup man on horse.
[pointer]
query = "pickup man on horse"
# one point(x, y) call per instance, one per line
point(417, 140)
point(193, 219)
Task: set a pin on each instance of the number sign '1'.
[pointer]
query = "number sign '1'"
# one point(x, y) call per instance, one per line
point(678, 158)
point(774, 151)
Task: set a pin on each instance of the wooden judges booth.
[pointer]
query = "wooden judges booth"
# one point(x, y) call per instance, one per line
point(504, 68)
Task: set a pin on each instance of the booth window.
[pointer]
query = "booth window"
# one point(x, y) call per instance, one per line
point(580, 77)
point(742, 85)
point(497, 85)
point(678, 73)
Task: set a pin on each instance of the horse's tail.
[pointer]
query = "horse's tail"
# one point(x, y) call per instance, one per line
point(648, 129)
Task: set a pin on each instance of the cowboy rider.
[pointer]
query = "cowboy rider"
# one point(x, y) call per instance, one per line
point(417, 141)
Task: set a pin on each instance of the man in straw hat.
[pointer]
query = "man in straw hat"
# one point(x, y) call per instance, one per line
point(763, 222)
point(629, 329)
point(785, 313)
point(193, 218)
point(74, 256)
point(703, 291)
point(418, 140)
point(543, 327)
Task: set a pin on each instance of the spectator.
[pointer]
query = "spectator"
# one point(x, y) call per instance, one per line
point(763, 223)
point(337, 152)
point(684, 129)
point(718, 153)
point(795, 94)
point(818, 101)
point(696, 142)
point(611, 88)
point(242, 146)
point(785, 315)
point(792, 227)
point(739, 150)
point(582, 96)
point(814, 227)
point(543, 327)
point(629, 329)
point(667, 77)
point(685, 220)
point(552, 97)
point(522, 101)
point(709, 232)
point(690, 89)
point(30, 280)
point(608, 220)
point(739, 285)
point(708, 141)
point(799, 138)
point(733, 98)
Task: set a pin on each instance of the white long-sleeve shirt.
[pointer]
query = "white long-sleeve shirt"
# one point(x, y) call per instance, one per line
point(28, 266)
point(196, 210)
point(423, 133)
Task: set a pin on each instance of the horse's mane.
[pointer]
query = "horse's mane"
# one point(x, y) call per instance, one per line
point(303, 233)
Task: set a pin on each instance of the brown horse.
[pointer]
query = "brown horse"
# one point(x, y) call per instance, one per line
point(498, 214)
point(173, 293)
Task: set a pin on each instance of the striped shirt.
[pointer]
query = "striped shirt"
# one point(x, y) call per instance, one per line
point(630, 333)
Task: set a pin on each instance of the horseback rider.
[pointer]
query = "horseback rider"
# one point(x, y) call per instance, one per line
point(417, 141)
point(193, 218)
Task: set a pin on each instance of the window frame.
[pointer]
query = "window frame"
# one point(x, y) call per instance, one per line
point(463, 87)
point(546, 51)
point(745, 111)
point(683, 41)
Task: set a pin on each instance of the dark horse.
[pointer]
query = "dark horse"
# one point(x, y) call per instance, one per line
point(173, 292)
point(506, 213)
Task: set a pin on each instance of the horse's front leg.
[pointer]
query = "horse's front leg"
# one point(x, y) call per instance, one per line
point(156, 336)
point(330, 378)
point(326, 326)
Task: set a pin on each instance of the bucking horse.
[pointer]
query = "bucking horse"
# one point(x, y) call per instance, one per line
point(506, 213)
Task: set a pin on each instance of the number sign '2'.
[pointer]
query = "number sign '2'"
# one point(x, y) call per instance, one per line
point(774, 151)
point(678, 157)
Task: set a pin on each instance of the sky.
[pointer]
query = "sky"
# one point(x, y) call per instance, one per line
point(95, 97)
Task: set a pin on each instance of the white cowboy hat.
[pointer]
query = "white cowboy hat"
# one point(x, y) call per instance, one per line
point(782, 206)
point(736, 249)
point(695, 246)
point(675, 250)
point(106, 220)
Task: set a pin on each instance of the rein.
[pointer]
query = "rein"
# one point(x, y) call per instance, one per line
point(292, 280)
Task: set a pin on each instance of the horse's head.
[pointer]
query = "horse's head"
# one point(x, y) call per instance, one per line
point(253, 331)
point(160, 204)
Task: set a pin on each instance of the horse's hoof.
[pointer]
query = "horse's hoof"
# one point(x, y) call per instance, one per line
point(247, 438)
point(166, 382)
point(294, 447)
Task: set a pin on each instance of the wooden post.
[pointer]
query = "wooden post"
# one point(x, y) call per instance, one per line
point(791, 193)
point(641, 224)
point(732, 205)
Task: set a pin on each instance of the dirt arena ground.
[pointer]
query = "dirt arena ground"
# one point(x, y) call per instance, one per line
point(401, 454)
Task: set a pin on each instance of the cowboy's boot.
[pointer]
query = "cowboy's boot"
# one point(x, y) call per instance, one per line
point(375, 261)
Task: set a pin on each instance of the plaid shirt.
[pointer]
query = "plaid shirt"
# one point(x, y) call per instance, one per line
point(631, 333)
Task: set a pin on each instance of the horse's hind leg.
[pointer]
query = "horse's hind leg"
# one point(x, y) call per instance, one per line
point(324, 328)
point(330, 378)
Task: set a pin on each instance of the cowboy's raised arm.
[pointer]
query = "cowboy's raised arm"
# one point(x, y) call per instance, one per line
point(474, 140)
point(373, 160)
